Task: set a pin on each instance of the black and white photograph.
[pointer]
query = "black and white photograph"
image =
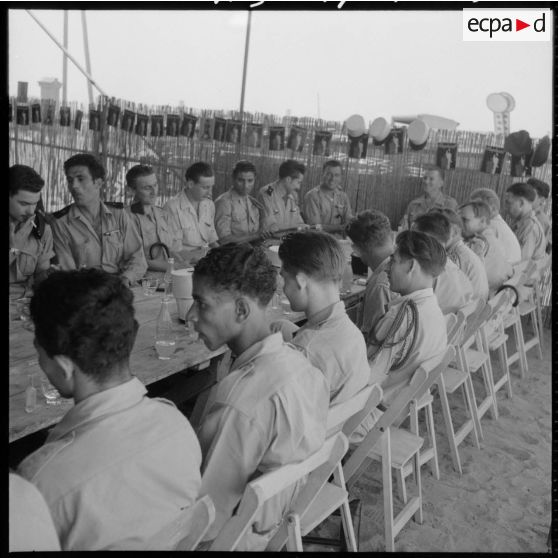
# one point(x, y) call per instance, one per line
point(297, 137)
point(113, 115)
point(127, 122)
point(36, 113)
point(94, 120)
point(321, 143)
point(65, 116)
point(78, 119)
point(493, 160)
point(254, 135)
point(194, 354)
point(22, 115)
point(446, 154)
point(188, 126)
point(276, 138)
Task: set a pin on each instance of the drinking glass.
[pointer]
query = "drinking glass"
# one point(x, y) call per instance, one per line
point(51, 394)
point(150, 285)
point(23, 313)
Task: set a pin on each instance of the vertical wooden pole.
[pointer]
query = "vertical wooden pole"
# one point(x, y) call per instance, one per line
point(65, 61)
point(87, 58)
point(245, 68)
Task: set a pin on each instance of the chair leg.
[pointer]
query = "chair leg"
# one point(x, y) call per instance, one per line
point(388, 495)
point(520, 344)
point(416, 462)
point(294, 542)
point(472, 404)
point(450, 432)
point(534, 319)
point(431, 434)
point(489, 384)
point(401, 484)
point(503, 352)
point(348, 529)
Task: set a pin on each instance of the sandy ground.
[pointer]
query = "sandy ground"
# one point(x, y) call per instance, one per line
point(502, 501)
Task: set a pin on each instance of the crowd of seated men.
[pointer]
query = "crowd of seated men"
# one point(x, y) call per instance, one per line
point(120, 465)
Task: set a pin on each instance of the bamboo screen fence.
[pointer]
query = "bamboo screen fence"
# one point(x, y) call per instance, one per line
point(386, 182)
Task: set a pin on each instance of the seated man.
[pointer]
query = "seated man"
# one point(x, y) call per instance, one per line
point(31, 247)
point(192, 212)
point(414, 329)
point(452, 287)
point(327, 204)
point(119, 466)
point(31, 526)
point(501, 229)
point(373, 242)
point(312, 266)
point(519, 203)
point(468, 261)
point(279, 199)
point(542, 189)
point(151, 222)
point(92, 233)
point(237, 213)
point(271, 408)
point(481, 238)
point(433, 198)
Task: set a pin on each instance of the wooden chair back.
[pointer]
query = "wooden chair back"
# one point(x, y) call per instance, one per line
point(319, 467)
point(188, 529)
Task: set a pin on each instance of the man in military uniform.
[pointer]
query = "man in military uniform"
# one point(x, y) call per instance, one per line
point(433, 198)
point(192, 212)
point(519, 203)
point(542, 190)
point(327, 204)
point(481, 238)
point(279, 199)
point(373, 242)
point(501, 229)
point(93, 233)
point(271, 409)
point(237, 213)
point(116, 452)
point(31, 246)
point(159, 239)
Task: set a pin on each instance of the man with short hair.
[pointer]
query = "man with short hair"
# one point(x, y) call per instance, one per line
point(158, 238)
point(119, 466)
point(461, 255)
point(502, 230)
point(519, 204)
point(481, 238)
point(237, 213)
point(93, 233)
point(271, 408)
point(279, 199)
point(433, 198)
point(452, 287)
point(542, 189)
point(192, 211)
point(373, 242)
point(31, 246)
point(312, 267)
point(327, 204)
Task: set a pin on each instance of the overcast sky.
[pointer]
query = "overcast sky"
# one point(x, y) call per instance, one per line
point(375, 63)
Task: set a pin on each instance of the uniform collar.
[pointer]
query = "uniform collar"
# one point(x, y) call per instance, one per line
point(330, 312)
point(438, 199)
point(99, 405)
point(417, 296)
point(25, 228)
point(270, 344)
point(76, 213)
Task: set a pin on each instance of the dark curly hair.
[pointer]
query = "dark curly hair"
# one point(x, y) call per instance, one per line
point(195, 171)
point(88, 316)
point(243, 166)
point(95, 167)
point(239, 268)
point(22, 177)
point(136, 172)
point(522, 190)
point(429, 253)
point(315, 253)
point(369, 227)
point(435, 224)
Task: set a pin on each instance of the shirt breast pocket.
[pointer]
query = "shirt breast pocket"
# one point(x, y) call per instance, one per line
point(113, 243)
point(27, 264)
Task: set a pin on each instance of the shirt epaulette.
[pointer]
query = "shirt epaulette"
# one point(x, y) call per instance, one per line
point(61, 212)
point(269, 190)
point(116, 205)
point(256, 202)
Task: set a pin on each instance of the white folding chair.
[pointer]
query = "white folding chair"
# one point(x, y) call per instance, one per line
point(297, 520)
point(395, 447)
point(187, 530)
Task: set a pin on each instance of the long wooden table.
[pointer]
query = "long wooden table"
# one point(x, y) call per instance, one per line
point(143, 361)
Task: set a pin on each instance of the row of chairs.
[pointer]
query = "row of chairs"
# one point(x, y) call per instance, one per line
point(475, 334)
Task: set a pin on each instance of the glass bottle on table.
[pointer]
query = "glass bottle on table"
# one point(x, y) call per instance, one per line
point(167, 277)
point(30, 395)
point(165, 337)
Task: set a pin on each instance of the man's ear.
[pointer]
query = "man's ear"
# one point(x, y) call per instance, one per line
point(66, 366)
point(242, 309)
point(413, 265)
point(301, 280)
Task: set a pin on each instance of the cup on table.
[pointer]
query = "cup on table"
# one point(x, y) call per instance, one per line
point(51, 394)
point(149, 285)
